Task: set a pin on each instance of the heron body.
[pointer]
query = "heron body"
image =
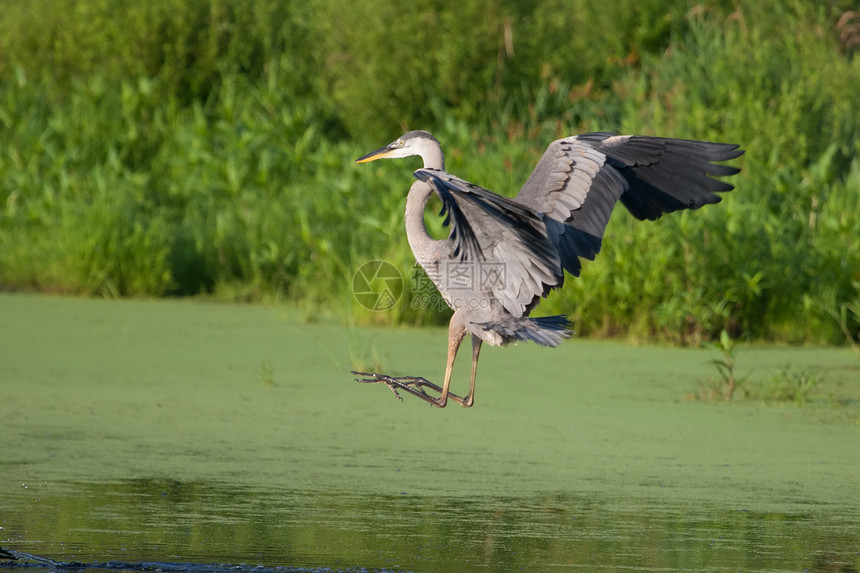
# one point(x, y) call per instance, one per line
point(502, 255)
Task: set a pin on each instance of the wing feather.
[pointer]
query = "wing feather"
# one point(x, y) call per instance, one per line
point(494, 229)
point(578, 181)
point(561, 213)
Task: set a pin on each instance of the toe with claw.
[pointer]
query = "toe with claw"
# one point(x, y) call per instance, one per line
point(414, 385)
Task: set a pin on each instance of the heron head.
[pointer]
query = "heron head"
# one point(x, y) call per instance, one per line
point(412, 143)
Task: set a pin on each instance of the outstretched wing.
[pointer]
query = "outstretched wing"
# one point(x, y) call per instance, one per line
point(491, 229)
point(579, 180)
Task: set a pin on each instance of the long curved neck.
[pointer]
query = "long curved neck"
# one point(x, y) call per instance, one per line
point(431, 153)
point(424, 247)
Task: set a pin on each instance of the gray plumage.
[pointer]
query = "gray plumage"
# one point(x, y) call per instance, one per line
point(503, 255)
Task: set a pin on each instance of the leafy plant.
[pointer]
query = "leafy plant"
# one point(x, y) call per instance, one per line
point(847, 316)
point(727, 381)
point(788, 385)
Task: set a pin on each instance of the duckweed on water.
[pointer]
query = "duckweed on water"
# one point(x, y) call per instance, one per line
point(141, 432)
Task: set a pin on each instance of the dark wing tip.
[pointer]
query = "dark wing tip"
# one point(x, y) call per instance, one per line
point(723, 151)
point(666, 175)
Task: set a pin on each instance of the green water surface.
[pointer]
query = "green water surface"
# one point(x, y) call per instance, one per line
point(184, 431)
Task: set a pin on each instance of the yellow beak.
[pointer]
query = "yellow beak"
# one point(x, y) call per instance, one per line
point(380, 153)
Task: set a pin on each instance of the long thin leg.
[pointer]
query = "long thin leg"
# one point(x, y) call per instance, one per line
point(476, 351)
point(415, 384)
point(456, 333)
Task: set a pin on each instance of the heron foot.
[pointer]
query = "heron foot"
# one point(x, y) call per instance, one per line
point(412, 384)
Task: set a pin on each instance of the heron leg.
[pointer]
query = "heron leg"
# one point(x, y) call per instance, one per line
point(476, 351)
point(456, 333)
point(415, 384)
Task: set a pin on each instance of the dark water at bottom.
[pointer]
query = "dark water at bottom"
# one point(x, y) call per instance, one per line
point(217, 526)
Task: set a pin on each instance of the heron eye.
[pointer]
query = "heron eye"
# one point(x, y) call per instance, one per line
point(401, 143)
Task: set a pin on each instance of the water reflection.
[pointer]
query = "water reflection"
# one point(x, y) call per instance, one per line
point(206, 522)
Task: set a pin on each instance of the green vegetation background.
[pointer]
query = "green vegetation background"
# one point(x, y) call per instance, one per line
point(185, 147)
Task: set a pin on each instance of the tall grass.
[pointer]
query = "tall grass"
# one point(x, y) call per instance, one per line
point(183, 147)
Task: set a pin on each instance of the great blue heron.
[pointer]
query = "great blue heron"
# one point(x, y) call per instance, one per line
point(503, 255)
